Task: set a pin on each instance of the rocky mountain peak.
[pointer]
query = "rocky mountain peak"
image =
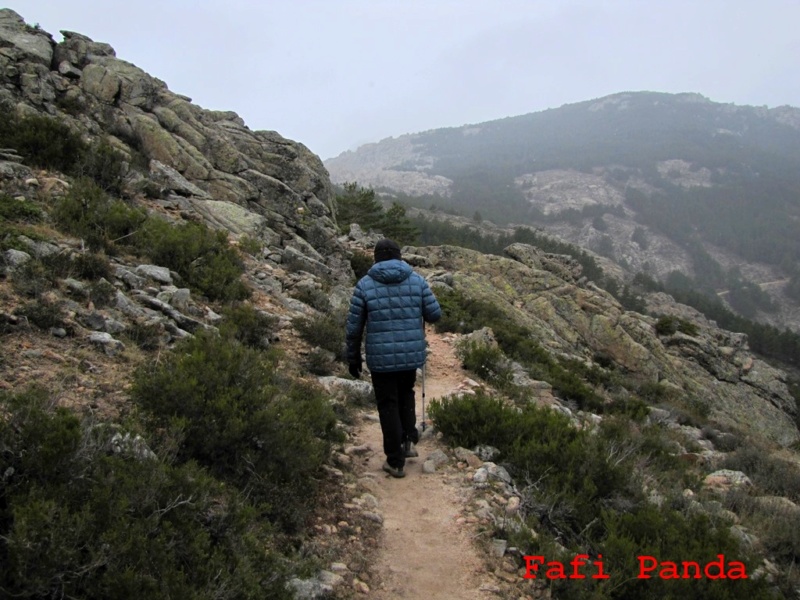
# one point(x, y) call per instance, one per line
point(204, 162)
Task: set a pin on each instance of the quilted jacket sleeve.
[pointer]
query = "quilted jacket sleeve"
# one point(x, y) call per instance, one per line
point(431, 311)
point(356, 318)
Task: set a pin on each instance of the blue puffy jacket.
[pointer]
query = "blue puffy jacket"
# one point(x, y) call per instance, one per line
point(392, 301)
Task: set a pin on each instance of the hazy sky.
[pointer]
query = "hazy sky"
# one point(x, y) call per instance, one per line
point(335, 74)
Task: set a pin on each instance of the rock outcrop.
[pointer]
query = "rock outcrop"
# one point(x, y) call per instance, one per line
point(202, 161)
point(714, 368)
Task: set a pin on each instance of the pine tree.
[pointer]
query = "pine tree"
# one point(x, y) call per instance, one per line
point(397, 226)
point(358, 205)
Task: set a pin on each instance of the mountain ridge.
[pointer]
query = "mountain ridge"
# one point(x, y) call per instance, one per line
point(660, 183)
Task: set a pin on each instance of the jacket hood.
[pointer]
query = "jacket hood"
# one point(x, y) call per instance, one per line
point(390, 271)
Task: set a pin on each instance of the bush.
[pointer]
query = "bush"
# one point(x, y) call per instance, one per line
point(488, 362)
point(668, 325)
point(577, 493)
point(769, 473)
point(147, 336)
point(88, 212)
point(361, 262)
point(104, 165)
point(320, 362)
point(33, 278)
point(243, 421)
point(670, 535)
point(39, 275)
point(315, 298)
point(463, 314)
point(326, 331)
point(79, 520)
point(43, 314)
point(200, 255)
point(537, 445)
point(24, 211)
point(43, 141)
point(250, 245)
point(102, 293)
point(92, 266)
point(250, 326)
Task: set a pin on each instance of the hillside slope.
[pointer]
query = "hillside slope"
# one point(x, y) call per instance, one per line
point(659, 183)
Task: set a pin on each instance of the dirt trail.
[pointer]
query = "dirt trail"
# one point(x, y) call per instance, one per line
point(426, 553)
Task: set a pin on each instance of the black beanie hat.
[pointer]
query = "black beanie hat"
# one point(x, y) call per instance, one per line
point(386, 249)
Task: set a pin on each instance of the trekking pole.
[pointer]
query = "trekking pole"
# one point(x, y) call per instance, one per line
point(423, 397)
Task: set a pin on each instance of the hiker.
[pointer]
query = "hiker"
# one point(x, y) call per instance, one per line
point(393, 302)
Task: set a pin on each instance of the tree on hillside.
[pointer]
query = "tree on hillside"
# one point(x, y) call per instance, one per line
point(398, 226)
point(358, 205)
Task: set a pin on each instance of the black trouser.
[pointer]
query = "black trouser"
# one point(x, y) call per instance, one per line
point(394, 393)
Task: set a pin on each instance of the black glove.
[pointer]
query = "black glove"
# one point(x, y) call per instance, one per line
point(355, 369)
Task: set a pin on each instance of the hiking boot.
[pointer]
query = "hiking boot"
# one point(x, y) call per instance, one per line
point(409, 450)
point(394, 471)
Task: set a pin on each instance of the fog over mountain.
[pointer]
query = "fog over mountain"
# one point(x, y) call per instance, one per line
point(676, 186)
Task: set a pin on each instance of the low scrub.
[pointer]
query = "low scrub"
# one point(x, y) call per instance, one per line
point(42, 141)
point(250, 326)
point(22, 211)
point(488, 362)
point(242, 420)
point(580, 496)
point(202, 256)
point(81, 517)
point(668, 325)
point(42, 313)
point(361, 262)
point(326, 331)
point(770, 474)
point(572, 380)
point(88, 212)
point(49, 143)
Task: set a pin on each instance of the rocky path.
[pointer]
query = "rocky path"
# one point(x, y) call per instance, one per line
point(428, 549)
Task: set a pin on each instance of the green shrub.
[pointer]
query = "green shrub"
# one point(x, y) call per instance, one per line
point(320, 362)
point(313, 297)
point(104, 165)
point(88, 212)
point(24, 211)
point(242, 420)
point(463, 314)
point(771, 474)
point(250, 245)
point(147, 336)
point(199, 254)
point(43, 314)
point(42, 141)
point(102, 293)
point(538, 445)
point(78, 520)
point(326, 331)
point(670, 535)
point(33, 278)
point(361, 262)
point(252, 327)
point(486, 361)
point(578, 494)
point(473, 420)
point(39, 275)
point(668, 325)
point(92, 266)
